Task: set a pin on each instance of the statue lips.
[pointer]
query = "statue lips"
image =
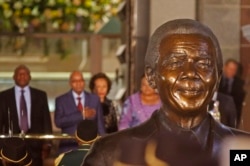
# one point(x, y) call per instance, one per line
point(190, 91)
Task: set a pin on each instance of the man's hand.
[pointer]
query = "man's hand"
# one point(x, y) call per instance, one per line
point(88, 113)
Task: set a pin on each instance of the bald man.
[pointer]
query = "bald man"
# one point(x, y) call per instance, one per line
point(74, 106)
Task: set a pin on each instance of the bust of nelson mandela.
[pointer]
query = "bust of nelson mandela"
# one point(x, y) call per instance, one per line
point(184, 64)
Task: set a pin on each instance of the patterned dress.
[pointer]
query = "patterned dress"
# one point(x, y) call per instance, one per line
point(110, 116)
point(134, 112)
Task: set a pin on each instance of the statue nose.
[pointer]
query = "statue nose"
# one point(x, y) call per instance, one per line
point(190, 69)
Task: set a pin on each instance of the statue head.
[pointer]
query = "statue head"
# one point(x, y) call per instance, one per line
point(184, 63)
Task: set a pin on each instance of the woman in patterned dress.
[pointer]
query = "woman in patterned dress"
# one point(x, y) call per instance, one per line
point(100, 84)
point(139, 106)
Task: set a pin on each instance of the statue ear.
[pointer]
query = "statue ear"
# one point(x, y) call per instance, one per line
point(151, 76)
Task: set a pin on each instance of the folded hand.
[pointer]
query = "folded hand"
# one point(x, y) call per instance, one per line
point(88, 113)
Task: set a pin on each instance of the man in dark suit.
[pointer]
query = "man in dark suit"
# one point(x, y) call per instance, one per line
point(30, 116)
point(184, 63)
point(233, 85)
point(74, 106)
point(226, 108)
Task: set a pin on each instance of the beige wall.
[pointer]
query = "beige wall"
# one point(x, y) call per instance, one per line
point(165, 10)
point(223, 17)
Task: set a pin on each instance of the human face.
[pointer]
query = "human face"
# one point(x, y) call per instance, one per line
point(22, 77)
point(145, 87)
point(186, 72)
point(101, 88)
point(230, 69)
point(77, 82)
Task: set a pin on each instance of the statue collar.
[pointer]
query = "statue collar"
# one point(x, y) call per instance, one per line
point(200, 133)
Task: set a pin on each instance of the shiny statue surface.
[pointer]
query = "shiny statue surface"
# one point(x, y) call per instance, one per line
point(184, 64)
point(215, 111)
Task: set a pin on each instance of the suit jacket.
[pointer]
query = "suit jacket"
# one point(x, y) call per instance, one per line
point(106, 150)
point(40, 117)
point(227, 110)
point(67, 116)
point(237, 92)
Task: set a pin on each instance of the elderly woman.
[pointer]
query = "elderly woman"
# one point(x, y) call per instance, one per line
point(139, 106)
point(100, 84)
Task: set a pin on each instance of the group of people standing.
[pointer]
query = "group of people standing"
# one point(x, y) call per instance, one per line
point(23, 105)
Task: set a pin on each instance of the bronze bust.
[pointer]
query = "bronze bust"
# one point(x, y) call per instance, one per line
point(184, 63)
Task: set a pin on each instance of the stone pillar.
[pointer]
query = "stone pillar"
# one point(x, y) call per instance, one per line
point(141, 36)
point(95, 54)
point(138, 32)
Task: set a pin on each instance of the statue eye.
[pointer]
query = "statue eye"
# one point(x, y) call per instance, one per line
point(176, 63)
point(204, 63)
point(173, 63)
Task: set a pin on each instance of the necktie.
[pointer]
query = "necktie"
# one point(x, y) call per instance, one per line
point(79, 105)
point(23, 113)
